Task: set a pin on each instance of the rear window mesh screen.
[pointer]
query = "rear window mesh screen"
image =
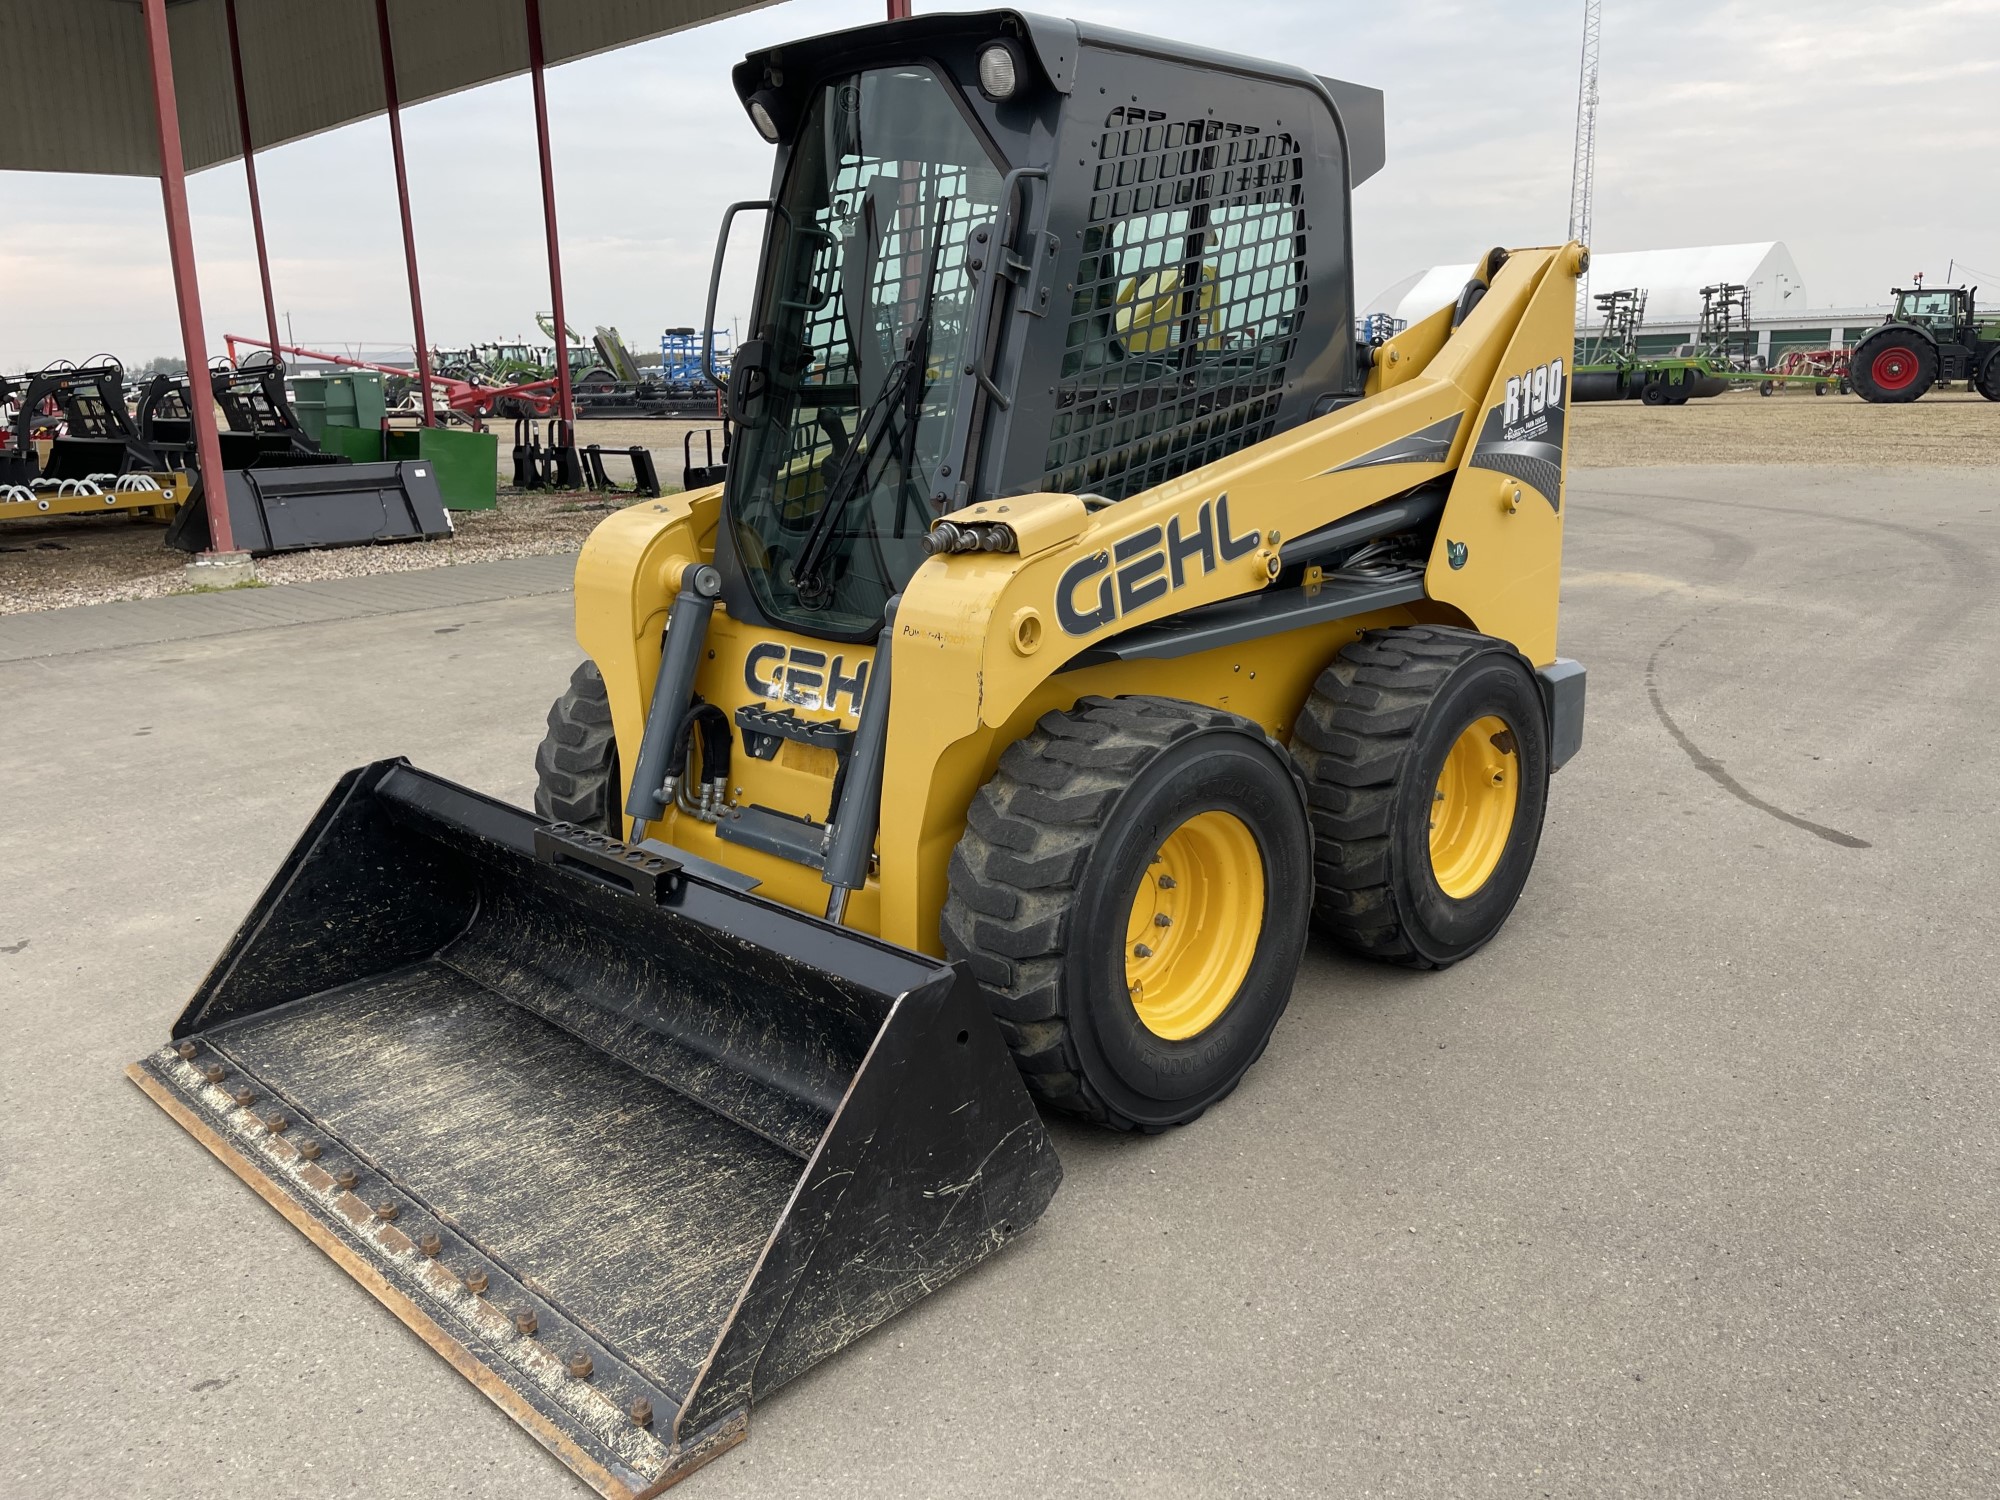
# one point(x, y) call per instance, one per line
point(1188, 299)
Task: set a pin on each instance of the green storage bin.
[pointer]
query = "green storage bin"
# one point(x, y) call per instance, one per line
point(361, 444)
point(468, 463)
point(352, 398)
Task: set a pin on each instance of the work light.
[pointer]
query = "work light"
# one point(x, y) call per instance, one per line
point(999, 71)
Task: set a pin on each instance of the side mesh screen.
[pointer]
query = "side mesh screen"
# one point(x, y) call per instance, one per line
point(1188, 301)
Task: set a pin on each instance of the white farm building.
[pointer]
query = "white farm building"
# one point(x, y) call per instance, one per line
point(1672, 281)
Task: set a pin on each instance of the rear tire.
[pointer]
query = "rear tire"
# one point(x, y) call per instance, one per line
point(1989, 377)
point(1385, 723)
point(576, 765)
point(1893, 366)
point(1058, 881)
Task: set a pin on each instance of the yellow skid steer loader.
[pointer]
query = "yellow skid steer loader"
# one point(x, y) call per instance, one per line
point(1084, 614)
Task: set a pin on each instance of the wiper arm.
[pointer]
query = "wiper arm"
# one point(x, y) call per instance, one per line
point(870, 429)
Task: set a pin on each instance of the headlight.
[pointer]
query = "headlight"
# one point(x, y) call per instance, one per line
point(999, 71)
point(760, 116)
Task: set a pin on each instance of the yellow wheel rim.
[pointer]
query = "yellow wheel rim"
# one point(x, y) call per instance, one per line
point(1196, 918)
point(1472, 806)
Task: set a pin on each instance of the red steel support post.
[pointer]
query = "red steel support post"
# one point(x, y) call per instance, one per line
point(187, 293)
point(565, 406)
point(899, 10)
point(250, 173)
point(403, 202)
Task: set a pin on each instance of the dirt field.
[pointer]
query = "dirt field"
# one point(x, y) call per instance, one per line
point(1945, 430)
point(50, 564)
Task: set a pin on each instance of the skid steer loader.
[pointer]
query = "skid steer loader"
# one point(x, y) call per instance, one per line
point(1084, 612)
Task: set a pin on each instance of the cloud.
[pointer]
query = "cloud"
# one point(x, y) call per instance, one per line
point(1857, 132)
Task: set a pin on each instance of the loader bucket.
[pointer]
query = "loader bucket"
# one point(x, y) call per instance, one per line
point(629, 1147)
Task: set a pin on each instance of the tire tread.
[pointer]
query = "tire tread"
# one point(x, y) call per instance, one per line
point(1028, 836)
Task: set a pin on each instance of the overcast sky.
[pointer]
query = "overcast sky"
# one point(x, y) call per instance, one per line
point(1863, 135)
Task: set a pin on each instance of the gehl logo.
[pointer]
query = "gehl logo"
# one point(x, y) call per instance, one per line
point(1530, 396)
point(1146, 565)
point(801, 675)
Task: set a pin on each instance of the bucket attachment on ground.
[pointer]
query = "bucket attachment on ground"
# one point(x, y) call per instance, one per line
point(628, 1146)
point(291, 508)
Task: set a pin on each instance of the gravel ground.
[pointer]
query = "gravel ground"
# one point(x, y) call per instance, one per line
point(55, 563)
point(86, 560)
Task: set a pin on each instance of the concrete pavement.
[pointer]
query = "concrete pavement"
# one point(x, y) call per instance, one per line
point(1685, 1186)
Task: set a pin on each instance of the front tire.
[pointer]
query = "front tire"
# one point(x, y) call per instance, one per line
point(1425, 754)
point(1131, 891)
point(576, 765)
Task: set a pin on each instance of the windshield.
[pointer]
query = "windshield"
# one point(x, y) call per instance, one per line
point(865, 303)
point(1928, 307)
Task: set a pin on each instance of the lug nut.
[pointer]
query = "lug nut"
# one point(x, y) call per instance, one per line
point(430, 1244)
point(580, 1366)
point(1161, 919)
point(1140, 950)
point(476, 1283)
point(213, 1072)
point(1168, 883)
point(525, 1321)
point(186, 1049)
point(346, 1177)
point(244, 1097)
point(276, 1123)
point(385, 1211)
point(641, 1411)
point(308, 1148)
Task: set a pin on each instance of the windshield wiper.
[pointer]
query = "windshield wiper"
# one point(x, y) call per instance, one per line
point(903, 386)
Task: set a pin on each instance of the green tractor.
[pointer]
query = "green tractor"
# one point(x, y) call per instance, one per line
point(1934, 334)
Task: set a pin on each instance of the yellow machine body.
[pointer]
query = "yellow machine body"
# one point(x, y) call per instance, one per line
point(980, 654)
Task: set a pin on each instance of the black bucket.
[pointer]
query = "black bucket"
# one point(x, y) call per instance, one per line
point(321, 503)
point(629, 1147)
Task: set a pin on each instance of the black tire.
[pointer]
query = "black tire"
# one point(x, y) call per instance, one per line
point(1371, 743)
point(1891, 346)
point(1989, 377)
point(576, 765)
point(1819, 387)
point(1765, 387)
point(1654, 392)
point(1044, 879)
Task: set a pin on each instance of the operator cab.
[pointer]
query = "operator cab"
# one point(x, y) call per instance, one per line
point(1934, 307)
point(1006, 254)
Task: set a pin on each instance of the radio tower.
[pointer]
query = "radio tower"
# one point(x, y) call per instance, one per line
point(1583, 171)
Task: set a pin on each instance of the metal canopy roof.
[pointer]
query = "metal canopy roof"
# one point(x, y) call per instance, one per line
point(79, 97)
